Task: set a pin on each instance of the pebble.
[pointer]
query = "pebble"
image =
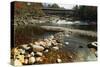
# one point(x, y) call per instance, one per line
point(32, 60)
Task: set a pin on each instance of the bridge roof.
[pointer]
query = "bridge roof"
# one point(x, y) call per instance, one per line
point(57, 9)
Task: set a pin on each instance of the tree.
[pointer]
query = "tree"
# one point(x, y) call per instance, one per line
point(86, 13)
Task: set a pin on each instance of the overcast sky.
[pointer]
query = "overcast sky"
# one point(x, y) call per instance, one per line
point(66, 6)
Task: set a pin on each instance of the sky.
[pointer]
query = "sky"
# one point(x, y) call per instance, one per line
point(66, 6)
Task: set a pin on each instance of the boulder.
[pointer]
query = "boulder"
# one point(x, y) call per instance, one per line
point(37, 48)
point(31, 60)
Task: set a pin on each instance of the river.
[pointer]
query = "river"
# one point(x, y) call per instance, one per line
point(76, 44)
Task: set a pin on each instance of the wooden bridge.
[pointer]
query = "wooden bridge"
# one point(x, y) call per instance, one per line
point(58, 11)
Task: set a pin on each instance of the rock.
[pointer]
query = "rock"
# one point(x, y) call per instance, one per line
point(48, 44)
point(80, 46)
point(92, 45)
point(60, 44)
point(46, 51)
point(22, 51)
point(37, 48)
point(51, 37)
point(26, 61)
point(28, 55)
point(59, 60)
point(32, 53)
point(55, 48)
point(15, 51)
point(39, 59)
point(67, 43)
point(39, 53)
point(21, 58)
point(37, 43)
point(67, 35)
point(31, 44)
point(17, 62)
point(31, 60)
point(96, 54)
point(54, 43)
point(25, 46)
point(42, 43)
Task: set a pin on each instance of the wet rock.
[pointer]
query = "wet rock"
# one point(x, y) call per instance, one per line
point(67, 43)
point(17, 62)
point(37, 48)
point(55, 48)
point(31, 60)
point(39, 53)
point(59, 60)
point(92, 45)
